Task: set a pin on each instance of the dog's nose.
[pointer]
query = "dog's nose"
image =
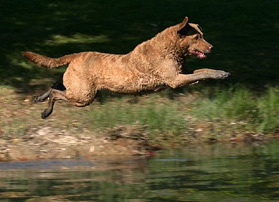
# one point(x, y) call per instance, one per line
point(209, 49)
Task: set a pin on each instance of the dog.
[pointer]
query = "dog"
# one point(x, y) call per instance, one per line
point(153, 64)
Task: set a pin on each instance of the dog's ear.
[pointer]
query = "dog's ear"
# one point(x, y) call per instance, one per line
point(184, 29)
point(183, 23)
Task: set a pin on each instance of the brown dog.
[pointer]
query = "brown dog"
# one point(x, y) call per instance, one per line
point(151, 65)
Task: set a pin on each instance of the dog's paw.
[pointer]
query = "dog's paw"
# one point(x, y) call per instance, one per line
point(44, 114)
point(219, 74)
point(37, 98)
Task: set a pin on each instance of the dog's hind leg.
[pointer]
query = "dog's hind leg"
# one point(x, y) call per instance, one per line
point(42, 98)
point(54, 95)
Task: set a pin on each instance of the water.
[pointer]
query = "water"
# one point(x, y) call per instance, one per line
point(202, 173)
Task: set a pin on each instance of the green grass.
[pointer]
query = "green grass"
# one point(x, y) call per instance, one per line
point(238, 109)
point(268, 110)
point(158, 117)
point(245, 39)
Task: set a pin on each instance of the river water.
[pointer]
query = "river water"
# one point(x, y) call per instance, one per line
point(219, 172)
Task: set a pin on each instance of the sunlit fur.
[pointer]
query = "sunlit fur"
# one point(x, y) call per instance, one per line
point(151, 65)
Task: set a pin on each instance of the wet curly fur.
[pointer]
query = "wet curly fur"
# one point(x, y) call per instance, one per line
point(153, 64)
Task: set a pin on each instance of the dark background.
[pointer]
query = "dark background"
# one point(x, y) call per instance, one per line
point(244, 34)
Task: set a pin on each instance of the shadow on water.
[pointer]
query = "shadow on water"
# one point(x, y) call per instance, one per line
point(206, 173)
point(245, 42)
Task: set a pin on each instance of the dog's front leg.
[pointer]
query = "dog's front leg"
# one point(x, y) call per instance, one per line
point(184, 79)
point(205, 70)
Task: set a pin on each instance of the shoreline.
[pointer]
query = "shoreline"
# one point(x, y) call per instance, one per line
point(47, 143)
point(130, 126)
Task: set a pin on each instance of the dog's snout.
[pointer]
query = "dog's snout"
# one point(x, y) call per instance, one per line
point(209, 49)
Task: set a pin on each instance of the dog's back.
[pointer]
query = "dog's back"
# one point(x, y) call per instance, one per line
point(151, 65)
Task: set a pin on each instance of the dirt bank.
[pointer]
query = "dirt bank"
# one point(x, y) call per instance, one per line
point(73, 133)
point(49, 143)
point(119, 142)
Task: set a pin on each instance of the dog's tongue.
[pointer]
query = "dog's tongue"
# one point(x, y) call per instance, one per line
point(201, 55)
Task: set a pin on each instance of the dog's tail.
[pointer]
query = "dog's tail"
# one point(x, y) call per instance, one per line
point(48, 62)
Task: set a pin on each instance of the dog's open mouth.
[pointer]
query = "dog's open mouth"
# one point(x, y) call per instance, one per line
point(199, 54)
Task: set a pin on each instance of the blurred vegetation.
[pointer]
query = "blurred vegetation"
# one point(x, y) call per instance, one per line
point(244, 35)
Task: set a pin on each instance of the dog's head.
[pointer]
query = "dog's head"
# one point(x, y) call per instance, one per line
point(190, 39)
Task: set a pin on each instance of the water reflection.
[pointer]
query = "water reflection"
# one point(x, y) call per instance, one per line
point(205, 173)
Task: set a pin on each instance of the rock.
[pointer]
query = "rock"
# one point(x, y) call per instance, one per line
point(47, 199)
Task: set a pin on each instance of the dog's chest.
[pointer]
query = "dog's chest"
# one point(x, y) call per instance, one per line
point(147, 82)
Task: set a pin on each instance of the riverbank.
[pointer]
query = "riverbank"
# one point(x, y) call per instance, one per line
point(47, 143)
point(244, 106)
point(133, 125)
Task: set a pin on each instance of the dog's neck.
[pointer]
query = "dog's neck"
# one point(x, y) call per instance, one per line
point(162, 47)
point(164, 42)
point(167, 40)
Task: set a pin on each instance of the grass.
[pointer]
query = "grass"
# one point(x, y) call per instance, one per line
point(268, 110)
point(245, 44)
point(159, 117)
point(239, 110)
